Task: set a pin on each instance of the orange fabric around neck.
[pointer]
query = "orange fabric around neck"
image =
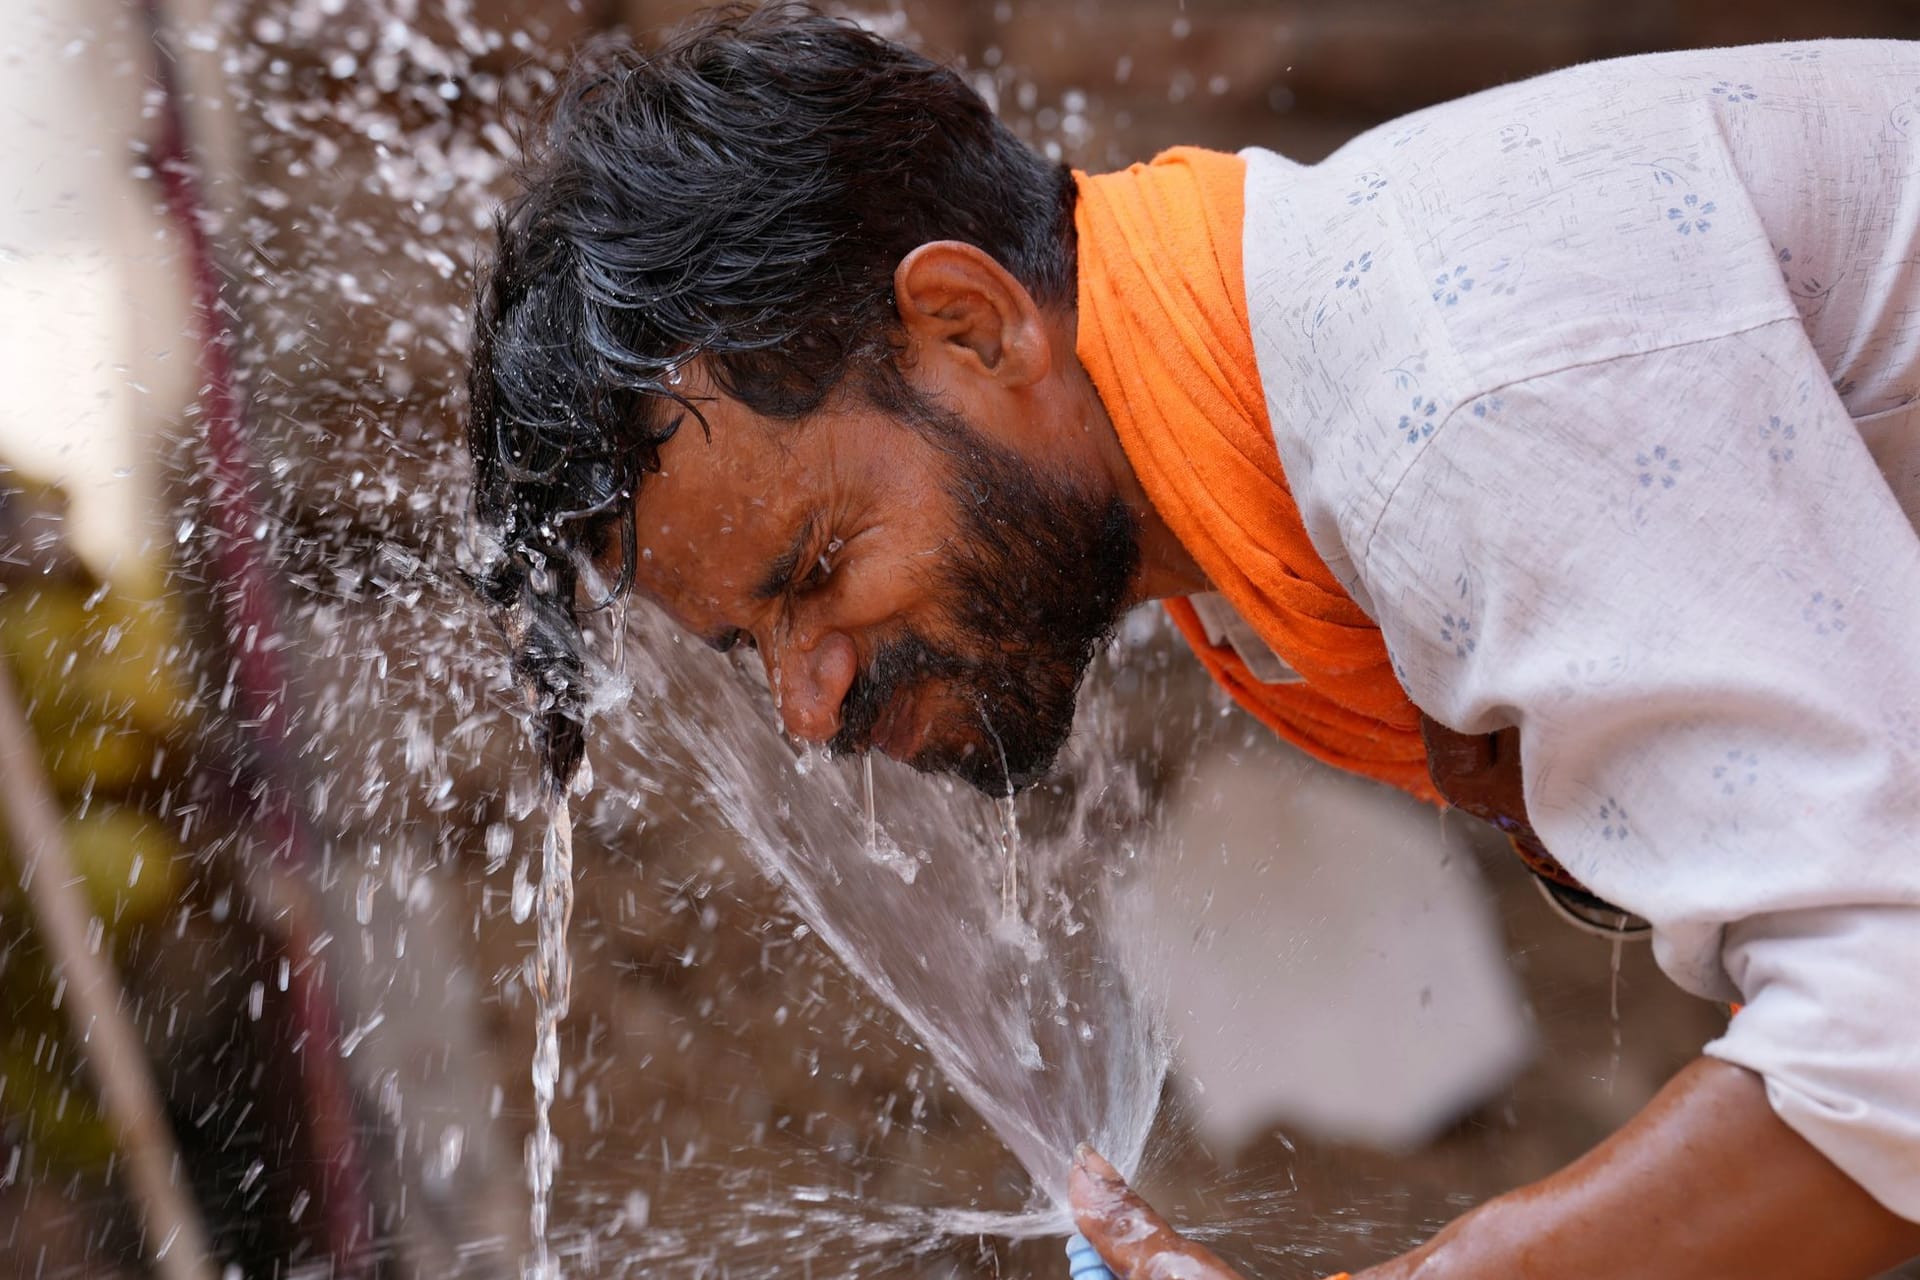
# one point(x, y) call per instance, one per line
point(1164, 334)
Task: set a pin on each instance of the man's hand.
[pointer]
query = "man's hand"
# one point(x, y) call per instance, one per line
point(1706, 1182)
point(1136, 1242)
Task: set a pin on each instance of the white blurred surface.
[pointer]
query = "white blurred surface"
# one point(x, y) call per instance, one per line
point(94, 350)
point(1334, 964)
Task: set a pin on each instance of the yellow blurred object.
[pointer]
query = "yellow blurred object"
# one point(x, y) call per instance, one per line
point(60, 1109)
point(140, 663)
point(83, 754)
point(102, 676)
point(103, 681)
point(129, 862)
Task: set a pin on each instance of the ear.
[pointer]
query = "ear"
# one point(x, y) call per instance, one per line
point(957, 299)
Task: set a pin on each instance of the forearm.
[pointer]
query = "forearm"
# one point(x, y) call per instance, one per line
point(1706, 1181)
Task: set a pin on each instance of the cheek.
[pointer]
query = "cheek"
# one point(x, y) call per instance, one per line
point(902, 553)
point(884, 580)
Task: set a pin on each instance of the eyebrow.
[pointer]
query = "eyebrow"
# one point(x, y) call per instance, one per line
point(779, 576)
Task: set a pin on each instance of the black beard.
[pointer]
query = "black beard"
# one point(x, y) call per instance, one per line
point(1034, 583)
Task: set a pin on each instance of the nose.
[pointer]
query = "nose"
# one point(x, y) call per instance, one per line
point(810, 678)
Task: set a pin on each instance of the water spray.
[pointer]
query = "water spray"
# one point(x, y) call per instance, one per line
point(244, 586)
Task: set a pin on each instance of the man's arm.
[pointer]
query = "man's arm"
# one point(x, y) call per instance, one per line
point(1705, 642)
point(1705, 1182)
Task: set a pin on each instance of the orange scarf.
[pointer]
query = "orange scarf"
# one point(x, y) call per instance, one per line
point(1163, 333)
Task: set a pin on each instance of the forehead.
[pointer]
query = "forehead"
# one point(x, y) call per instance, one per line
point(705, 522)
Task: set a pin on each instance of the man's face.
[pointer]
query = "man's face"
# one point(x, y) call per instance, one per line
point(916, 588)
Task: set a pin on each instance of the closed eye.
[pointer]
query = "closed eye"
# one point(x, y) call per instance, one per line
point(820, 572)
point(781, 575)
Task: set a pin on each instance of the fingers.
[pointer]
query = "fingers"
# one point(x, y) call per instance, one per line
point(1136, 1242)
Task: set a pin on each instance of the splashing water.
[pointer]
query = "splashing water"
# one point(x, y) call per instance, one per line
point(1046, 1032)
point(1009, 860)
point(992, 945)
point(881, 850)
point(985, 943)
point(552, 982)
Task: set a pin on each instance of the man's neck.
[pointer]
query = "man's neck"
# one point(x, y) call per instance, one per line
point(1166, 569)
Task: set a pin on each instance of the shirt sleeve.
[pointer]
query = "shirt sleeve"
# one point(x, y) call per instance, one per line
point(1682, 576)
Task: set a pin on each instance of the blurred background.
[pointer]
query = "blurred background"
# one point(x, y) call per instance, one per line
point(237, 241)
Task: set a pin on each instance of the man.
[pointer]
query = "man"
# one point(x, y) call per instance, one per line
point(1590, 455)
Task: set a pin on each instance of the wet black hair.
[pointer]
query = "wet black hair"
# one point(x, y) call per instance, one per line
point(741, 196)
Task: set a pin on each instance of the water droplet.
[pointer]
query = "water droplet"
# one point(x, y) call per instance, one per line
point(499, 843)
point(522, 900)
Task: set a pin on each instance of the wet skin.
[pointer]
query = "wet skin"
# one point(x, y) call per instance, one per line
point(807, 543)
point(1705, 1183)
point(821, 542)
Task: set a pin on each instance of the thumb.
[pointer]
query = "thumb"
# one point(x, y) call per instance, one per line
point(1124, 1228)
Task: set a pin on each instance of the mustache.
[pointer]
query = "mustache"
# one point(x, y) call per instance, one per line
point(904, 661)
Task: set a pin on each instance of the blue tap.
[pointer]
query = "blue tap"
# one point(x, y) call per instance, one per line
point(1083, 1261)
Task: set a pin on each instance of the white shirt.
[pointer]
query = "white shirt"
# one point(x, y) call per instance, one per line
point(1598, 393)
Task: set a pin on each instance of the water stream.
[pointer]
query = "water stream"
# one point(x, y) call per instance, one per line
point(993, 944)
point(551, 978)
point(1009, 860)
